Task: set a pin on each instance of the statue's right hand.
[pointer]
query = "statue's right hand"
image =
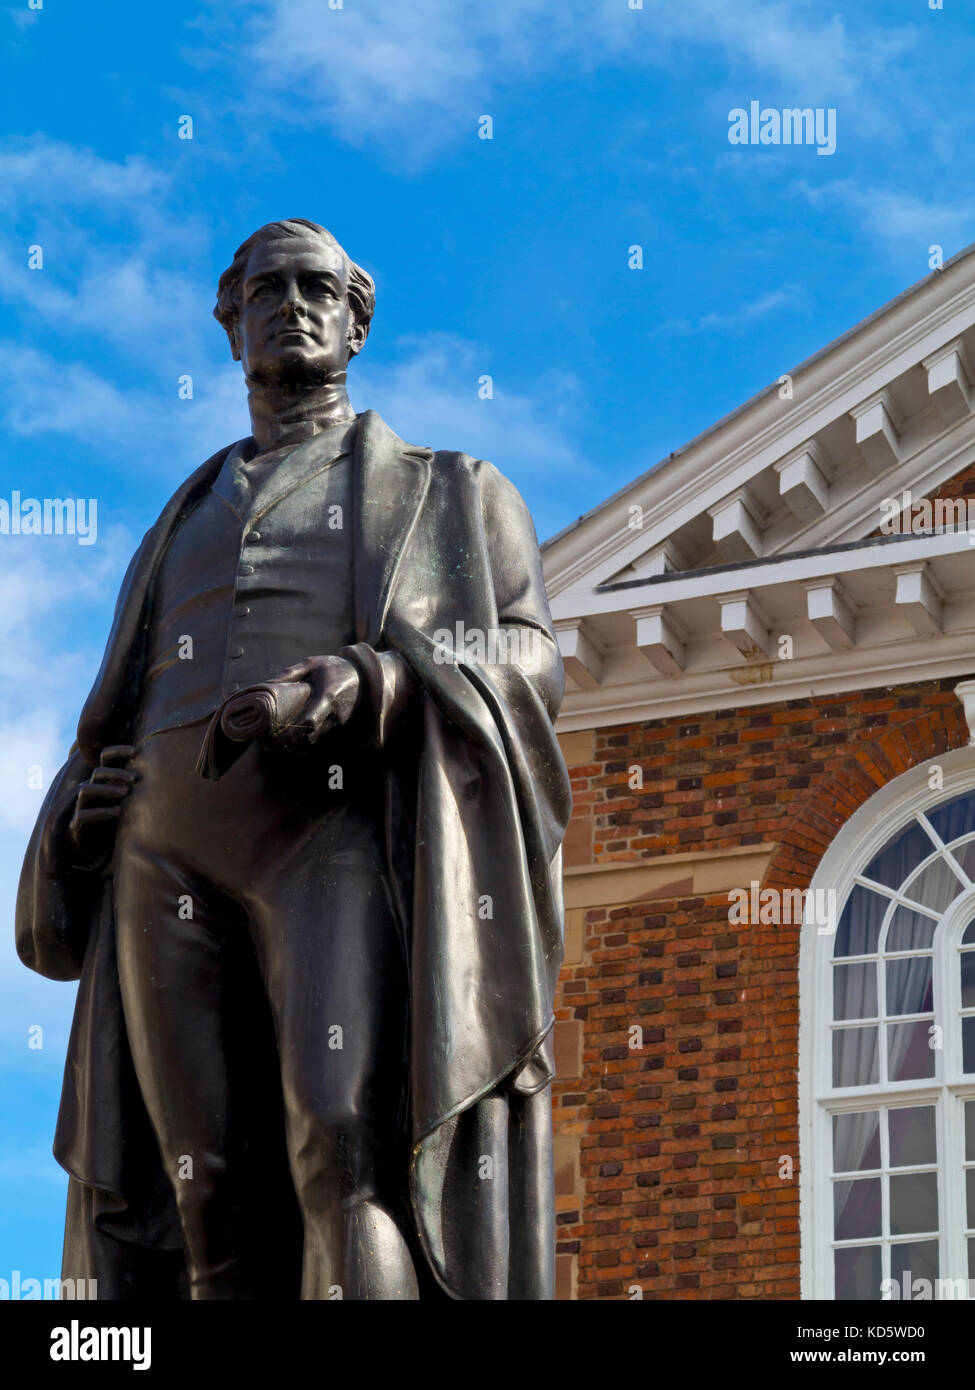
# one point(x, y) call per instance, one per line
point(99, 803)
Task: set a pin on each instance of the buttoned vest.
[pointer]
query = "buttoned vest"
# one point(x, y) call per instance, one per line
point(257, 577)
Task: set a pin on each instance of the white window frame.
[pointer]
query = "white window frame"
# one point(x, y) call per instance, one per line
point(856, 843)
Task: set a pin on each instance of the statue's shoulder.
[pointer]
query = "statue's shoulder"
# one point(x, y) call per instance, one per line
point(480, 483)
point(452, 464)
point(451, 470)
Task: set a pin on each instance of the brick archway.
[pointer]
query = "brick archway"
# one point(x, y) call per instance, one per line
point(937, 726)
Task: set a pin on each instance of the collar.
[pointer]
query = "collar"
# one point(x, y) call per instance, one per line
point(285, 415)
point(251, 482)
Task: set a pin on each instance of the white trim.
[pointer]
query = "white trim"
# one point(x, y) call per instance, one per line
point(876, 822)
point(965, 691)
point(765, 573)
point(897, 664)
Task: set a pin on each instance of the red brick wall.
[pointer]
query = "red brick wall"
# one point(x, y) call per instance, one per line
point(961, 485)
point(680, 1142)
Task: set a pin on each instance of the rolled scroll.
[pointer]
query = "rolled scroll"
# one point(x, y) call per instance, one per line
point(251, 714)
point(263, 709)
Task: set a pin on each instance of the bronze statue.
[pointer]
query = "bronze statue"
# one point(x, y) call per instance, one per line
point(305, 856)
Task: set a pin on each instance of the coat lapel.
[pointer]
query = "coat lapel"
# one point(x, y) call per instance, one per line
point(391, 482)
point(108, 709)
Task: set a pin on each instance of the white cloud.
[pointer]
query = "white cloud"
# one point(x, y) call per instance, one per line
point(903, 223)
point(23, 18)
point(60, 175)
point(413, 77)
point(738, 320)
point(129, 296)
point(792, 44)
point(41, 394)
point(47, 584)
point(122, 300)
point(48, 587)
point(429, 395)
point(31, 740)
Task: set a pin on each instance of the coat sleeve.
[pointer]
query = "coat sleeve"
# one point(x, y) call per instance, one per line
point(522, 674)
point(388, 687)
point(519, 589)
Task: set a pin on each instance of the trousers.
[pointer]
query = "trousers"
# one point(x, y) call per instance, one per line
point(259, 951)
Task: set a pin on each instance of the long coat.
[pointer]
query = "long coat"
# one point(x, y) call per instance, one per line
point(477, 804)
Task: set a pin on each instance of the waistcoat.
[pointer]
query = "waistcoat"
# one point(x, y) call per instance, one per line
point(257, 577)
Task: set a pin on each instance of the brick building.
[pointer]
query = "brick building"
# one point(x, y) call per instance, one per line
point(764, 637)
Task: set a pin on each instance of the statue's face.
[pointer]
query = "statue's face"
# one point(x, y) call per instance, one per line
point(294, 321)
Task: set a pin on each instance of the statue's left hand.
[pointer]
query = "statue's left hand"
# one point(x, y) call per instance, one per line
point(334, 692)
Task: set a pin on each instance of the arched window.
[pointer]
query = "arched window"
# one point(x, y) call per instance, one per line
point(887, 1047)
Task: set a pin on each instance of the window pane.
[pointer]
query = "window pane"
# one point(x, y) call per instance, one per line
point(855, 1058)
point(855, 991)
point(856, 1141)
point(910, 931)
point(970, 1129)
point(970, 1198)
point(919, 1260)
point(912, 1136)
point(955, 818)
point(858, 1272)
point(909, 986)
point(935, 887)
point(969, 938)
point(859, 928)
point(965, 856)
point(968, 979)
point(971, 1259)
point(893, 864)
point(910, 1056)
point(913, 1203)
point(856, 1209)
point(968, 1044)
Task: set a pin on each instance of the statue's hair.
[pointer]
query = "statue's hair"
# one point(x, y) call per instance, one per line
point(361, 286)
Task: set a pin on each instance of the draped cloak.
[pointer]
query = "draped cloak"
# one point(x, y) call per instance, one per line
point(449, 589)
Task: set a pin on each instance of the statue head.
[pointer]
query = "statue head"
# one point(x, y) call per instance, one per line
point(294, 306)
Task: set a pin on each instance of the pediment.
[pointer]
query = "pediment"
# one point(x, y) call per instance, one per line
point(885, 409)
point(751, 561)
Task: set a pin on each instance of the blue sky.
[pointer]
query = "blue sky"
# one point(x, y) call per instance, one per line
point(506, 257)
